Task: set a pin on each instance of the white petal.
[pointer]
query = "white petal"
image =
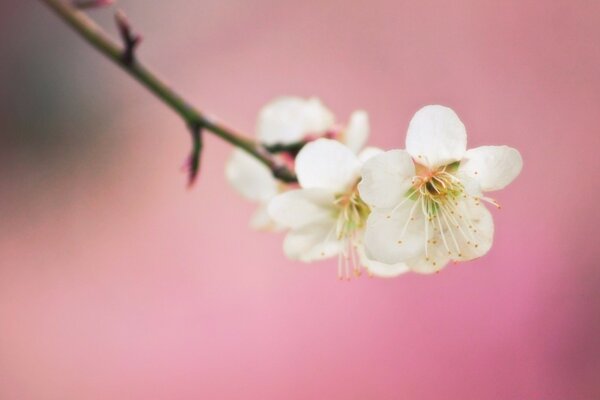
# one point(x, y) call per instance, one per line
point(480, 237)
point(262, 221)
point(289, 119)
point(436, 136)
point(388, 241)
point(386, 179)
point(435, 261)
point(357, 131)
point(326, 164)
point(369, 152)
point(467, 234)
point(493, 167)
point(380, 269)
point(301, 207)
point(249, 177)
point(312, 242)
point(471, 185)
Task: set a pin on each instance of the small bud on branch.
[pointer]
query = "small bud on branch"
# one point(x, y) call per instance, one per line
point(130, 40)
point(193, 163)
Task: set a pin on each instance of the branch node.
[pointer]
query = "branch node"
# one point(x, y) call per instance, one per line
point(130, 39)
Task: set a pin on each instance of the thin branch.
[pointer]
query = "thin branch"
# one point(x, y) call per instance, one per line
point(92, 3)
point(295, 147)
point(96, 37)
point(292, 148)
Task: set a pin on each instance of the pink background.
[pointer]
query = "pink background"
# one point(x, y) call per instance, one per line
point(118, 283)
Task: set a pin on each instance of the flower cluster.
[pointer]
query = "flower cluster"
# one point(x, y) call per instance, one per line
point(387, 213)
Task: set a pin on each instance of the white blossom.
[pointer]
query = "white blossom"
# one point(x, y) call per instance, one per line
point(326, 216)
point(426, 200)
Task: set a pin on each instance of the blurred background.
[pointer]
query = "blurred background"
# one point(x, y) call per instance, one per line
point(118, 282)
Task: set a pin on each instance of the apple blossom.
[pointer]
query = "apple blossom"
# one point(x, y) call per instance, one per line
point(427, 200)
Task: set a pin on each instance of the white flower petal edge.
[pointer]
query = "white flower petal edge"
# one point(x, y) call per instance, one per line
point(289, 119)
point(382, 270)
point(367, 153)
point(357, 131)
point(436, 136)
point(396, 237)
point(432, 262)
point(493, 167)
point(326, 164)
point(386, 178)
point(379, 269)
point(312, 243)
point(249, 177)
point(261, 221)
point(302, 207)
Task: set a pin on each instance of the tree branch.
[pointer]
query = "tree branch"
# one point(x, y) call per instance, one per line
point(91, 3)
point(96, 37)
